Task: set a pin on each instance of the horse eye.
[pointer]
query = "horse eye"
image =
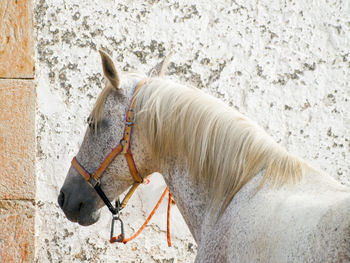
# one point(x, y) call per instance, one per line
point(90, 122)
point(104, 123)
point(101, 123)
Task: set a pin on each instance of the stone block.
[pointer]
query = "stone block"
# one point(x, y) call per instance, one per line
point(16, 39)
point(17, 239)
point(17, 139)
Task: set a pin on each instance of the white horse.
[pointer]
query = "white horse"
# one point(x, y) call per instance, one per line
point(244, 198)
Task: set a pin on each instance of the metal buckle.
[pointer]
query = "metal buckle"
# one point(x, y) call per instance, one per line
point(93, 182)
point(129, 123)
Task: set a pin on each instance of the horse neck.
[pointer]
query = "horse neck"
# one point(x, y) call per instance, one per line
point(189, 198)
point(188, 195)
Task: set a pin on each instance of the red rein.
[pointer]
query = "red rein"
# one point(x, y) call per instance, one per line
point(170, 201)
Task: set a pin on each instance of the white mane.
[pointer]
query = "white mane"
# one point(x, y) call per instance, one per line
point(222, 147)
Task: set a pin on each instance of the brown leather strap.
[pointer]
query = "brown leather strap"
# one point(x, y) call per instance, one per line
point(129, 119)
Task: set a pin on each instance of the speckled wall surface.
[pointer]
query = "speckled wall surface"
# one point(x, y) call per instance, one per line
point(285, 64)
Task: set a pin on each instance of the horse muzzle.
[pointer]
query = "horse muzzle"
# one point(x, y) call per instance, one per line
point(83, 213)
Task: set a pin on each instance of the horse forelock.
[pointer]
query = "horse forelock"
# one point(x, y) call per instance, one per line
point(97, 111)
point(222, 147)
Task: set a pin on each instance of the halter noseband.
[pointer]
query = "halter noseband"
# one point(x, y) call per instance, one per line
point(124, 148)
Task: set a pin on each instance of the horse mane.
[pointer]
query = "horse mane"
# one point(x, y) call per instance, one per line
point(222, 147)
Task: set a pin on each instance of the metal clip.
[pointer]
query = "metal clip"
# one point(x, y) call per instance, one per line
point(120, 238)
point(116, 217)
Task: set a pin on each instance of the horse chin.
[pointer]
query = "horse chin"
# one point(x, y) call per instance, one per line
point(88, 219)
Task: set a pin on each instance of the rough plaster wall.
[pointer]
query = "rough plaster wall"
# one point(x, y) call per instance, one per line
point(285, 64)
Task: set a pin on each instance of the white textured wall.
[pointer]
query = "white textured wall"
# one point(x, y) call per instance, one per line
point(286, 64)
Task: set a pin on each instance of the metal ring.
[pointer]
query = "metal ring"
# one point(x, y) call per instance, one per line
point(129, 123)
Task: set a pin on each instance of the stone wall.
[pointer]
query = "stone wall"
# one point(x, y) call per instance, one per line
point(285, 64)
point(17, 132)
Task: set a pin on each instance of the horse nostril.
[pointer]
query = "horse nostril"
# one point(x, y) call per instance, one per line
point(60, 199)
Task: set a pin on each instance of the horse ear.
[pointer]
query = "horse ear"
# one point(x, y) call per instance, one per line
point(160, 69)
point(109, 69)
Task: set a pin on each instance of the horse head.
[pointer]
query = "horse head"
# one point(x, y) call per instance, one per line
point(78, 198)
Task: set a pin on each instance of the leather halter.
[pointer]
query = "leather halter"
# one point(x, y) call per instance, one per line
point(122, 148)
point(94, 179)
